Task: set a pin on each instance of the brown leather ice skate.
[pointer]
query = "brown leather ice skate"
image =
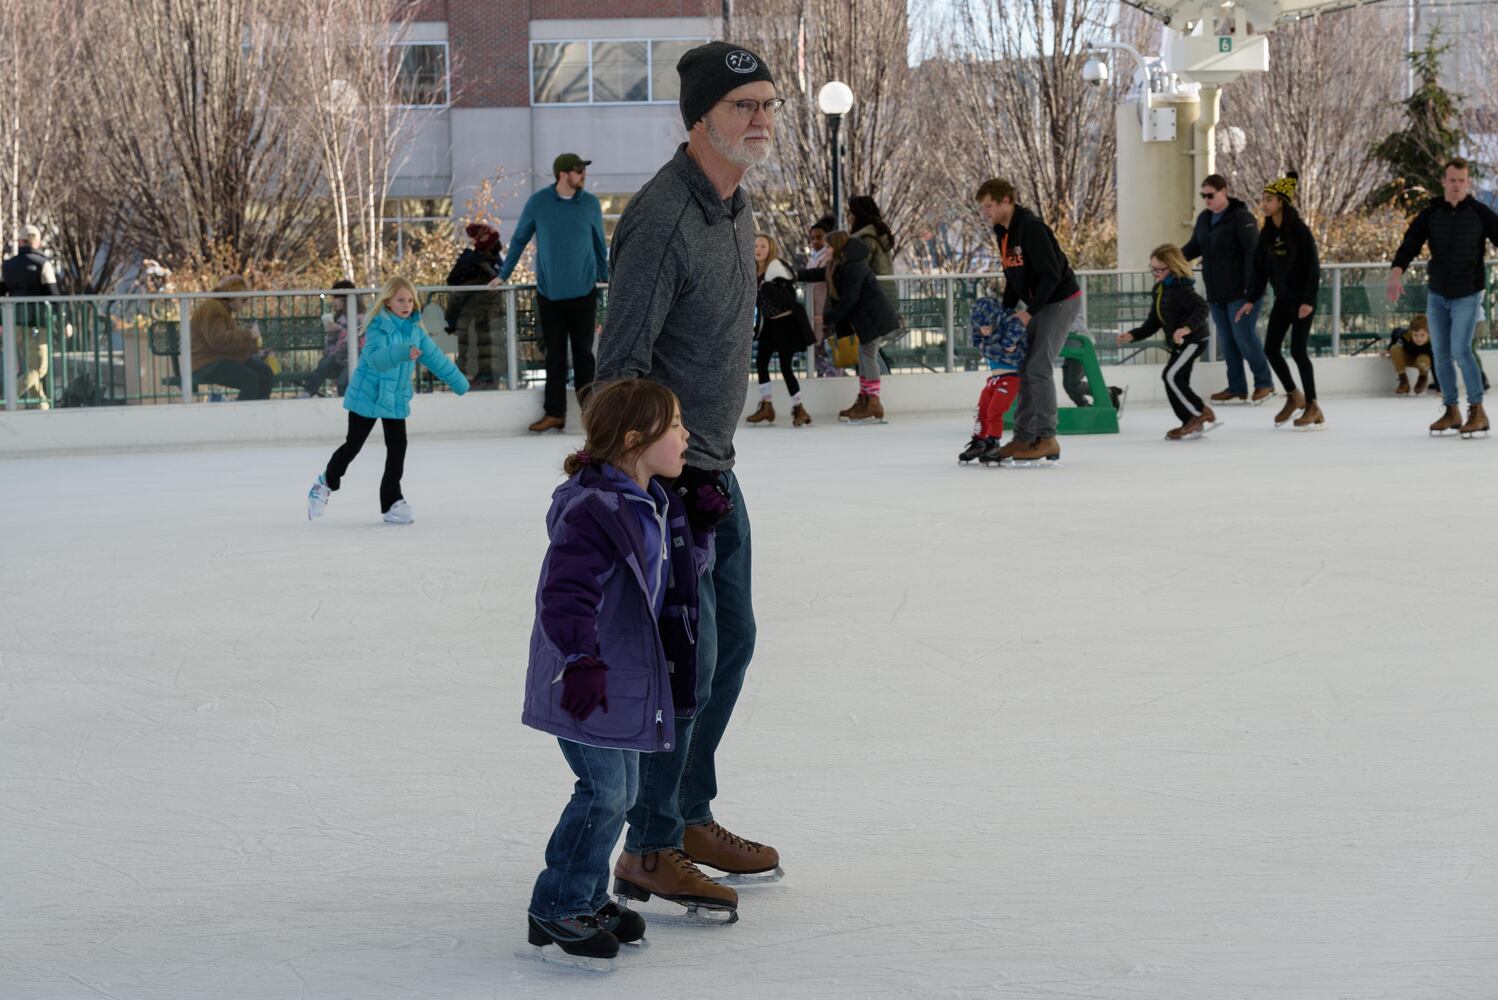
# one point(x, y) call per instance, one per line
point(799, 416)
point(1294, 400)
point(1477, 421)
point(1229, 396)
point(548, 424)
point(1451, 420)
point(1403, 388)
point(857, 407)
point(670, 874)
point(764, 415)
point(1313, 417)
point(715, 847)
point(1260, 394)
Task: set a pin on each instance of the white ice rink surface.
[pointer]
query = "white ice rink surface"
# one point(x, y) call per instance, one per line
point(1205, 720)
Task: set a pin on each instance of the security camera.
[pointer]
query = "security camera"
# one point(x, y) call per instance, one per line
point(1095, 72)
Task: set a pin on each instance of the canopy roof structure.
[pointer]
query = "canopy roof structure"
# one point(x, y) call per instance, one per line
point(1264, 15)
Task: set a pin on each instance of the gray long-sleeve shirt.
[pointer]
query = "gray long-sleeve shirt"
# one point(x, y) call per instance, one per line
point(681, 302)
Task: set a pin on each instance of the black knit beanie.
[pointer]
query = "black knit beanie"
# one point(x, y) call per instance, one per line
point(712, 70)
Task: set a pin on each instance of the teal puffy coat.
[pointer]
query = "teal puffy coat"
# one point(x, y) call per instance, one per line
point(382, 384)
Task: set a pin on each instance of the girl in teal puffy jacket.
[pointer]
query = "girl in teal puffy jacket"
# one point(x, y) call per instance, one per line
point(380, 389)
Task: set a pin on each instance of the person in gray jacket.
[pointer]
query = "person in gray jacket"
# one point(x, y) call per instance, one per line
point(1225, 238)
point(682, 292)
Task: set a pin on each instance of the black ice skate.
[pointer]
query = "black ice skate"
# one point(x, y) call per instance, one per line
point(582, 944)
point(975, 448)
point(625, 924)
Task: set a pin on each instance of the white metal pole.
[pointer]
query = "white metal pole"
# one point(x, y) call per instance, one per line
point(351, 323)
point(512, 348)
point(1336, 312)
point(8, 317)
point(184, 347)
point(951, 327)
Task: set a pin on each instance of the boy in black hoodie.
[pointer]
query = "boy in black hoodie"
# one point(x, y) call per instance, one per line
point(1286, 258)
point(1037, 272)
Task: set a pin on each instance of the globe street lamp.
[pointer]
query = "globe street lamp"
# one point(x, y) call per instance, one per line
point(836, 99)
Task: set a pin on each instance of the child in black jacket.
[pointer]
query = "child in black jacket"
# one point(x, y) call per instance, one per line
point(1286, 258)
point(1182, 314)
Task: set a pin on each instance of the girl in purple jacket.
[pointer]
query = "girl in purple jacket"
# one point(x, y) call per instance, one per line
point(613, 656)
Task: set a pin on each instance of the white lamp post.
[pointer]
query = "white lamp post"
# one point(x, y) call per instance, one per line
point(836, 99)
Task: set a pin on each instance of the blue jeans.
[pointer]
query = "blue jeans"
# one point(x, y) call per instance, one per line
point(1239, 344)
point(1453, 322)
point(677, 787)
point(576, 879)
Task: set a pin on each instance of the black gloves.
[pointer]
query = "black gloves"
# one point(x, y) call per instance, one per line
point(705, 496)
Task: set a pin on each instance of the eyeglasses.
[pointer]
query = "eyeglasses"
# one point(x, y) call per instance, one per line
point(748, 109)
point(1158, 269)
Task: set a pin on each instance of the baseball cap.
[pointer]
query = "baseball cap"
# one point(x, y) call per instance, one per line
point(568, 161)
point(30, 233)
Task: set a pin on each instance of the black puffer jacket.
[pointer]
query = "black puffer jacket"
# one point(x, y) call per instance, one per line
point(1176, 304)
point(473, 267)
point(1456, 234)
point(1286, 258)
point(860, 300)
point(1226, 248)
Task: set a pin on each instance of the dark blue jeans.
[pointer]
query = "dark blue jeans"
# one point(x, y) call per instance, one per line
point(576, 879)
point(1239, 344)
point(677, 788)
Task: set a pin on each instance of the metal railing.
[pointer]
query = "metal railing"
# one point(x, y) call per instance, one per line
point(104, 350)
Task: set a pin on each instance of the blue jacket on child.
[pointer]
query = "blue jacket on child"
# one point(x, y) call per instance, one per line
point(595, 598)
point(1003, 348)
point(381, 385)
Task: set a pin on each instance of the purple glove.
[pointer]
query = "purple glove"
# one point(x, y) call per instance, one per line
point(585, 687)
point(705, 496)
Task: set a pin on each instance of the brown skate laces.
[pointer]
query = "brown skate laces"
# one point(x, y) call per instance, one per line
point(684, 863)
point(733, 839)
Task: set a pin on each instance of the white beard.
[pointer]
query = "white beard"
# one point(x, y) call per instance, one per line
point(740, 155)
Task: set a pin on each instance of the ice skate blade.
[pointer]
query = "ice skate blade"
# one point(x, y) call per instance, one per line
point(870, 421)
point(1030, 463)
point(1311, 427)
point(755, 878)
point(1469, 435)
point(681, 914)
point(554, 956)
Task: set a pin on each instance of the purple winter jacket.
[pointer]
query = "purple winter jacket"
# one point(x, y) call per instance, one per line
point(592, 600)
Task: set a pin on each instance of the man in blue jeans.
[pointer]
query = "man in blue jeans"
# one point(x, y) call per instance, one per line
point(1225, 236)
point(1456, 226)
point(681, 312)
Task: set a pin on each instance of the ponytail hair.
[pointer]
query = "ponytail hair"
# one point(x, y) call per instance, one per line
point(612, 412)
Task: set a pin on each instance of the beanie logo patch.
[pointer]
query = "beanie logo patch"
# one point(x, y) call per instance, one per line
point(741, 62)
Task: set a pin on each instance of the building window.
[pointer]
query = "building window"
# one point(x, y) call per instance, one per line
point(664, 55)
point(411, 223)
point(615, 71)
point(560, 73)
point(421, 74)
point(621, 72)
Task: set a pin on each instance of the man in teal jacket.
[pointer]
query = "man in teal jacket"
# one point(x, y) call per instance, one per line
point(571, 259)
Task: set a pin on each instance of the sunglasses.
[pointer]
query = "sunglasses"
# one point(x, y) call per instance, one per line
point(1209, 195)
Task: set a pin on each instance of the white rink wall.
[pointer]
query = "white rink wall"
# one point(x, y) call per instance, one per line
point(319, 421)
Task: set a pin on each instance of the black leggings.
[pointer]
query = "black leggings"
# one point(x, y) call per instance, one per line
point(1283, 318)
point(1177, 379)
point(395, 456)
point(767, 350)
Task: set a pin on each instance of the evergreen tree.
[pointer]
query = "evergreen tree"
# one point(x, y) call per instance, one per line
point(1433, 135)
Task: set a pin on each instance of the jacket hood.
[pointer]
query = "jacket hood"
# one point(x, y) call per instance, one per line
point(856, 250)
point(885, 241)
